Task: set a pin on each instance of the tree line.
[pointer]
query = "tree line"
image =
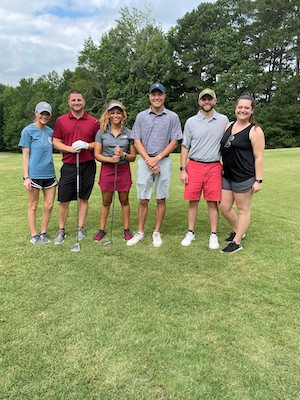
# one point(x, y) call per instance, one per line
point(232, 46)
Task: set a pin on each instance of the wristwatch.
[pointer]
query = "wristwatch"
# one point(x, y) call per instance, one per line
point(25, 177)
point(182, 168)
point(258, 180)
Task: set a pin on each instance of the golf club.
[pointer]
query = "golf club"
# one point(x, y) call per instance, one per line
point(76, 247)
point(113, 208)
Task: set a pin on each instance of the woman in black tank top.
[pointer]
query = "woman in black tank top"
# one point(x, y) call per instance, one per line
point(242, 151)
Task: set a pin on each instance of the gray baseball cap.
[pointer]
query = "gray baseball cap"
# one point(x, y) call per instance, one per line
point(43, 106)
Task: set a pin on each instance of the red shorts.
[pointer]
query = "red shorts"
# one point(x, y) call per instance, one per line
point(107, 175)
point(206, 177)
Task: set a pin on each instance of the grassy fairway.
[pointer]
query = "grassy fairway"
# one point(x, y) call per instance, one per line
point(120, 323)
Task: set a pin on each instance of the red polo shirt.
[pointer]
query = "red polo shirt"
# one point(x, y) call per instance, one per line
point(69, 129)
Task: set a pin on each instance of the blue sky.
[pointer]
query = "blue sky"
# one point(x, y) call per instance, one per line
point(39, 36)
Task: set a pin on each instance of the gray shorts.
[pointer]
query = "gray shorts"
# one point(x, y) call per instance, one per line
point(238, 187)
point(146, 179)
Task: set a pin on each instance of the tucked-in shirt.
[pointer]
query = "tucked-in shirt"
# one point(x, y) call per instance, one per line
point(39, 143)
point(109, 142)
point(202, 136)
point(156, 131)
point(69, 129)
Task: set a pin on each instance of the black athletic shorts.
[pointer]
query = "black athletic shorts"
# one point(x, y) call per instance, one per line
point(67, 187)
point(43, 183)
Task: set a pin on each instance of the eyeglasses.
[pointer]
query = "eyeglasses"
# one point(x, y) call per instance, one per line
point(229, 140)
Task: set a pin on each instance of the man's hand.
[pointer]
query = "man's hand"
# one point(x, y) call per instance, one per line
point(184, 177)
point(80, 145)
point(152, 161)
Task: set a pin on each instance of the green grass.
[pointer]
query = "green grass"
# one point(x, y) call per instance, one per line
point(120, 323)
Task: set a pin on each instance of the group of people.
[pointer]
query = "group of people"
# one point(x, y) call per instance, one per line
point(207, 137)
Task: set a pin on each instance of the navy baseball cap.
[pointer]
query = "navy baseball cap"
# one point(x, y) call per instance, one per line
point(157, 86)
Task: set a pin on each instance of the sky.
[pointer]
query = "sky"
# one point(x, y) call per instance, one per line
point(41, 36)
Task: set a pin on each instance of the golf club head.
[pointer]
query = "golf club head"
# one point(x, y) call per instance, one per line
point(75, 248)
point(105, 244)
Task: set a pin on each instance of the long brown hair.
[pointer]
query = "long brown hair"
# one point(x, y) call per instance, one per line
point(104, 119)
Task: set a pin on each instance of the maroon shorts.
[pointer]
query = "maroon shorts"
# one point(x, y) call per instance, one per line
point(206, 177)
point(107, 175)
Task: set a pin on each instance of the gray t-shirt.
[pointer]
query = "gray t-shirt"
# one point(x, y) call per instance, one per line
point(202, 136)
point(156, 131)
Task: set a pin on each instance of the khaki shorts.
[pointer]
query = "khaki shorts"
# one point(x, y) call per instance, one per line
point(146, 179)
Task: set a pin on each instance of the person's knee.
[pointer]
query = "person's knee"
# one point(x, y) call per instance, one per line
point(212, 205)
point(224, 208)
point(33, 206)
point(144, 203)
point(124, 203)
point(106, 203)
point(243, 211)
point(161, 202)
point(48, 206)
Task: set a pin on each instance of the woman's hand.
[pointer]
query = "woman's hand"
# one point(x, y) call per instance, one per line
point(27, 184)
point(256, 187)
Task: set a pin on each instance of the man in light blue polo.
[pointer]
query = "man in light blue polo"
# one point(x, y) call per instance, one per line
point(156, 132)
point(202, 173)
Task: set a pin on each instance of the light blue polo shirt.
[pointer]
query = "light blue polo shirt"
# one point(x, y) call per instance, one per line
point(202, 136)
point(39, 143)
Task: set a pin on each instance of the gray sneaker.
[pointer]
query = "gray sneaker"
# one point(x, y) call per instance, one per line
point(35, 239)
point(45, 238)
point(80, 234)
point(60, 237)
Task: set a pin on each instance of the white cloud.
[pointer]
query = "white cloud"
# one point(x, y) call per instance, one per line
point(38, 37)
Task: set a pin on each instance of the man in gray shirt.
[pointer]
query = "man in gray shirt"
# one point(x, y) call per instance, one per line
point(156, 132)
point(203, 172)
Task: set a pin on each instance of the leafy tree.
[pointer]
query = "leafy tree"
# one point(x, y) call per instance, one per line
point(127, 60)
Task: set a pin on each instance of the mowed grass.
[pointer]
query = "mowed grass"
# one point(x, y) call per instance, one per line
point(143, 323)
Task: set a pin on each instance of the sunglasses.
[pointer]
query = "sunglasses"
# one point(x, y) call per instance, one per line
point(229, 140)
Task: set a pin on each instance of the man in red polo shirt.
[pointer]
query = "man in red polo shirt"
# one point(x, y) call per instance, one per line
point(75, 133)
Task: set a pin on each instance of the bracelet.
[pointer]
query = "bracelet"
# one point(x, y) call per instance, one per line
point(25, 177)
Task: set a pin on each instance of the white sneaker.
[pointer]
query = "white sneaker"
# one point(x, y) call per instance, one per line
point(135, 239)
point(156, 239)
point(213, 241)
point(189, 237)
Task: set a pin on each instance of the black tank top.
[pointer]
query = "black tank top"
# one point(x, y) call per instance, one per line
point(237, 155)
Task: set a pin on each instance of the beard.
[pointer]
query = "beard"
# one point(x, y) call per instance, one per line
point(206, 108)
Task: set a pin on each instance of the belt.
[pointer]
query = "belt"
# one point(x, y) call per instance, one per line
point(204, 162)
point(154, 155)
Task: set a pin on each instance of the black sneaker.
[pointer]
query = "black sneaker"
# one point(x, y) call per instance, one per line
point(232, 247)
point(230, 237)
